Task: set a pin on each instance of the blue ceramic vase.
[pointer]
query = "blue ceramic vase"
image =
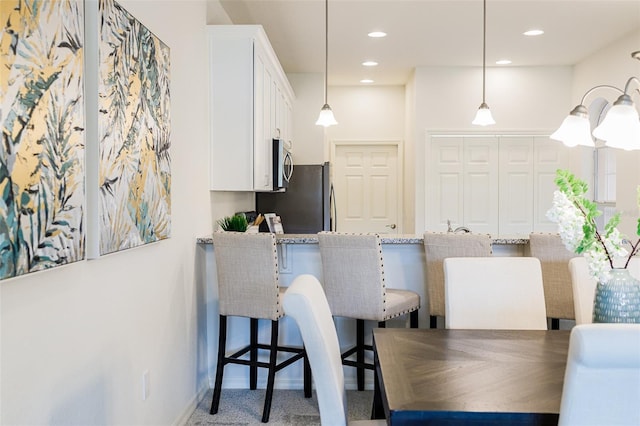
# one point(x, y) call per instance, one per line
point(617, 300)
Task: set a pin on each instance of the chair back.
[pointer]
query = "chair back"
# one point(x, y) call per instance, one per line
point(583, 286)
point(247, 269)
point(437, 247)
point(494, 293)
point(353, 274)
point(305, 302)
point(602, 378)
point(554, 260)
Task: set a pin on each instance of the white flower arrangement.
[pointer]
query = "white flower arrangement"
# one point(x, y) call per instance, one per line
point(575, 216)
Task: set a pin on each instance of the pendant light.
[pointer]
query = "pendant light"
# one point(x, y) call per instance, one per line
point(483, 116)
point(326, 117)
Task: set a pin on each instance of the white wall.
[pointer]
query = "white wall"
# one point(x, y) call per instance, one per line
point(75, 340)
point(520, 98)
point(308, 139)
point(613, 65)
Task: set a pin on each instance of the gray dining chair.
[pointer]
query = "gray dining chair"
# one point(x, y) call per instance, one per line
point(554, 260)
point(602, 377)
point(307, 304)
point(355, 285)
point(248, 286)
point(437, 247)
point(494, 293)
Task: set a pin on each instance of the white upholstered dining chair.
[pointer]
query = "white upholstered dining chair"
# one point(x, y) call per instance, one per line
point(583, 286)
point(494, 293)
point(306, 303)
point(355, 285)
point(437, 247)
point(602, 378)
point(554, 259)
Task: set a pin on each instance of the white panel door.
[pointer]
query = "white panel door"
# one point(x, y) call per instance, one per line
point(366, 188)
point(481, 184)
point(549, 157)
point(516, 185)
point(445, 183)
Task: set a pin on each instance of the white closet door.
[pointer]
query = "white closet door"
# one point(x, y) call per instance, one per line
point(549, 157)
point(445, 183)
point(481, 184)
point(516, 184)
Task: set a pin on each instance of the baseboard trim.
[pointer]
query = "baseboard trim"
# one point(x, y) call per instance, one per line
point(191, 407)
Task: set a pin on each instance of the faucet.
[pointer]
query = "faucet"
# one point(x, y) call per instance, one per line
point(458, 229)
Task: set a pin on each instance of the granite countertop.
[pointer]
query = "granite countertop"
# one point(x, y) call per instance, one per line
point(386, 239)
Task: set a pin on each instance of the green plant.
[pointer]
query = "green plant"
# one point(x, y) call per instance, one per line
point(576, 218)
point(237, 223)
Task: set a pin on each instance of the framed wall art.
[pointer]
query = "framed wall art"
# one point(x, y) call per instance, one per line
point(134, 176)
point(42, 166)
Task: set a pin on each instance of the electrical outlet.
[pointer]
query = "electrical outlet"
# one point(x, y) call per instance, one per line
point(145, 385)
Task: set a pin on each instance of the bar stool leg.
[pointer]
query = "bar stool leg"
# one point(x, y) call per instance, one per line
point(272, 371)
point(253, 354)
point(433, 321)
point(307, 376)
point(360, 353)
point(222, 339)
point(413, 319)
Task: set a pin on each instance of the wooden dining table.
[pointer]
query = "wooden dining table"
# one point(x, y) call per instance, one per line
point(462, 377)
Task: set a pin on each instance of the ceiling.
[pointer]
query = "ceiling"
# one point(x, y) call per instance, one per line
point(431, 33)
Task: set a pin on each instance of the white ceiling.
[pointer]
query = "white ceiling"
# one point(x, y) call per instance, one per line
point(424, 33)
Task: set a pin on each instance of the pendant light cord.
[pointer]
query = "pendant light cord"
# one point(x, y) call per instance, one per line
point(484, 47)
point(326, 48)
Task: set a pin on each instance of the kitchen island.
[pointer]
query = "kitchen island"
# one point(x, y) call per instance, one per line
point(405, 268)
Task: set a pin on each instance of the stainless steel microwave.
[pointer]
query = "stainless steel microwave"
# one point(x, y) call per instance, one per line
point(282, 165)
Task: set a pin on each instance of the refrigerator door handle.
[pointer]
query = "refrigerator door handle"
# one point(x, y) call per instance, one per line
point(334, 216)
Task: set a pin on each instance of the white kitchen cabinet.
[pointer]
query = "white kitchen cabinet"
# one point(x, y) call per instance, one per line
point(247, 93)
point(497, 184)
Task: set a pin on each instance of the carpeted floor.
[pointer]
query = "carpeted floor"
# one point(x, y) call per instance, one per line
point(288, 408)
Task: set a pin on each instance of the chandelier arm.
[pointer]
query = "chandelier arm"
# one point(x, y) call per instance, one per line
point(626, 86)
point(601, 86)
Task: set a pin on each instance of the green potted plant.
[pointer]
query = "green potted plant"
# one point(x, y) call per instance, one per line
point(236, 223)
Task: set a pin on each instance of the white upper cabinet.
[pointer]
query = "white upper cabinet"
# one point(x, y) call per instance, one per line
point(250, 102)
point(499, 184)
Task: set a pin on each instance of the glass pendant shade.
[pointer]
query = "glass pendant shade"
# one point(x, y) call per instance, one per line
point(483, 116)
point(326, 117)
point(620, 127)
point(575, 130)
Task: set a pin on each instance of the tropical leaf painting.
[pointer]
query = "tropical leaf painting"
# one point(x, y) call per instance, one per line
point(134, 132)
point(42, 165)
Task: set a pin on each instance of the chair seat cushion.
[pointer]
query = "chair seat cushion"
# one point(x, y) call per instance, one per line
point(400, 302)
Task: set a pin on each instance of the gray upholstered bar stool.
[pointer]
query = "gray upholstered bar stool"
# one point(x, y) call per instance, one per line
point(355, 285)
point(437, 247)
point(554, 258)
point(247, 268)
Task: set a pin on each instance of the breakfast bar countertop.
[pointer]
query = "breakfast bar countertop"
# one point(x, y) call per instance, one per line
point(385, 239)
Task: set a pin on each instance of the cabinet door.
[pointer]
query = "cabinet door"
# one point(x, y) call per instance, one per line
point(516, 185)
point(481, 184)
point(264, 113)
point(231, 108)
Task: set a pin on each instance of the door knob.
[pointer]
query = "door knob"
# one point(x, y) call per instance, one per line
point(392, 226)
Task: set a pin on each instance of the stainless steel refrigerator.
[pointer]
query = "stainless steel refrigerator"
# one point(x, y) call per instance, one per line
point(307, 206)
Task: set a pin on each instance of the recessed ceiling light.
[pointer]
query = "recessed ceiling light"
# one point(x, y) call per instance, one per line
point(366, 81)
point(377, 34)
point(503, 62)
point(533, 32)
point(369, 63)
